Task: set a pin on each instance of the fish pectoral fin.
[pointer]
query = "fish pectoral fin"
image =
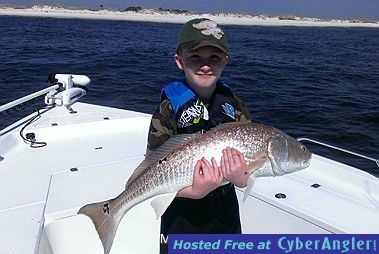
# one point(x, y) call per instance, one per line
point(253, 173)
point(249, 187)
point(161, 203)
point(256, 164)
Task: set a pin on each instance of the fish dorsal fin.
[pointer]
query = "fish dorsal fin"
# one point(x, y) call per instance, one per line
point(223, 125)
point(161, 203)
point(160, 155)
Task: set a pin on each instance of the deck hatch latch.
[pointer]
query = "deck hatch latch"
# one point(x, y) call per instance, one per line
point(280, 195)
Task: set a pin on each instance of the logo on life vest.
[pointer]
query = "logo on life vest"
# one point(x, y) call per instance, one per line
point(193, 114)
point(229, 110)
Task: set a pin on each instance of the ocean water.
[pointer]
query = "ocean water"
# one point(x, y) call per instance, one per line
point(320, 83)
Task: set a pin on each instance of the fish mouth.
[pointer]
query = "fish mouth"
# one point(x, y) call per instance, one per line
point(307, 163)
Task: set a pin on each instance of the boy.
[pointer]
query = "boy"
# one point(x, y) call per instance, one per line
point(198, 103)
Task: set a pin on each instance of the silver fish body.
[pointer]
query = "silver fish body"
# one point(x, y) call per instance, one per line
point(267, 151)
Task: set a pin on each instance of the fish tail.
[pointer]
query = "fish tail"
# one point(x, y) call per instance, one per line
point(105, 221)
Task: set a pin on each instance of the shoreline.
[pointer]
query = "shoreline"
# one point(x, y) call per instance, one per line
point(152, 15)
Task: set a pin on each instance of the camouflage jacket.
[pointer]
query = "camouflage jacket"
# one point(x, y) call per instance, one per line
point(163, 123)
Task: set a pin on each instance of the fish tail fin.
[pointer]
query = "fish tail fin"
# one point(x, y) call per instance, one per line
point(105, 221)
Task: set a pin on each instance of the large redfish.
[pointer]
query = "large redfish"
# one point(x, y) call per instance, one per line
point(267, 151)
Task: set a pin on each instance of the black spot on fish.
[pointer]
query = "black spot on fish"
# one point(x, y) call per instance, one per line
point(162, 160)
point(106, 208)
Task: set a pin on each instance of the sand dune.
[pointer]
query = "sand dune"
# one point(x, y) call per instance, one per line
point(154, 15)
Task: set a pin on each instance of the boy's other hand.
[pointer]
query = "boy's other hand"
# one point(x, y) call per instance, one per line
point(234, 167)
point(206, 178)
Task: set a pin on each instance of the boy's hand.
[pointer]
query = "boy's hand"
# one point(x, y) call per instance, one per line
point(234, 167)
point(206, 178)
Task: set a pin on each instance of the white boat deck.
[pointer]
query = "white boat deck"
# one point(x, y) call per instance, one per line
point(94, 136)
point(88, 158)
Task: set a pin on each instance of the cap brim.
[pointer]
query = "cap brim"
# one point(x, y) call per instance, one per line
point(189, 46)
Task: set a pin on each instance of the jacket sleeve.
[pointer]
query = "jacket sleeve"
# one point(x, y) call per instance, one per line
point(242, 112)
point(162, 126)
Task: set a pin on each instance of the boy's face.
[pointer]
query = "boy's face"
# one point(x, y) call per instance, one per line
point(202, 66)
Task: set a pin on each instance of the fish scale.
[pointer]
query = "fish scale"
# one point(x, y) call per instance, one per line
point(170, 168)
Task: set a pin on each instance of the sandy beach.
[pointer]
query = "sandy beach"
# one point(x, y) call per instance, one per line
point(152, 15)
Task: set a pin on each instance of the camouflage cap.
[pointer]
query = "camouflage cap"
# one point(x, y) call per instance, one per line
point(198, 33)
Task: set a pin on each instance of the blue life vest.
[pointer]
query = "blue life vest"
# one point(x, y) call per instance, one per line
point(190, 112)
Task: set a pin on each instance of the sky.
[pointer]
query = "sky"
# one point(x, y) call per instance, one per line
point(338, 9)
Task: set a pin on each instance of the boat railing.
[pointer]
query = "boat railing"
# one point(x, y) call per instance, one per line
point(66, 90)
point(340, 149)
point(27, 98)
